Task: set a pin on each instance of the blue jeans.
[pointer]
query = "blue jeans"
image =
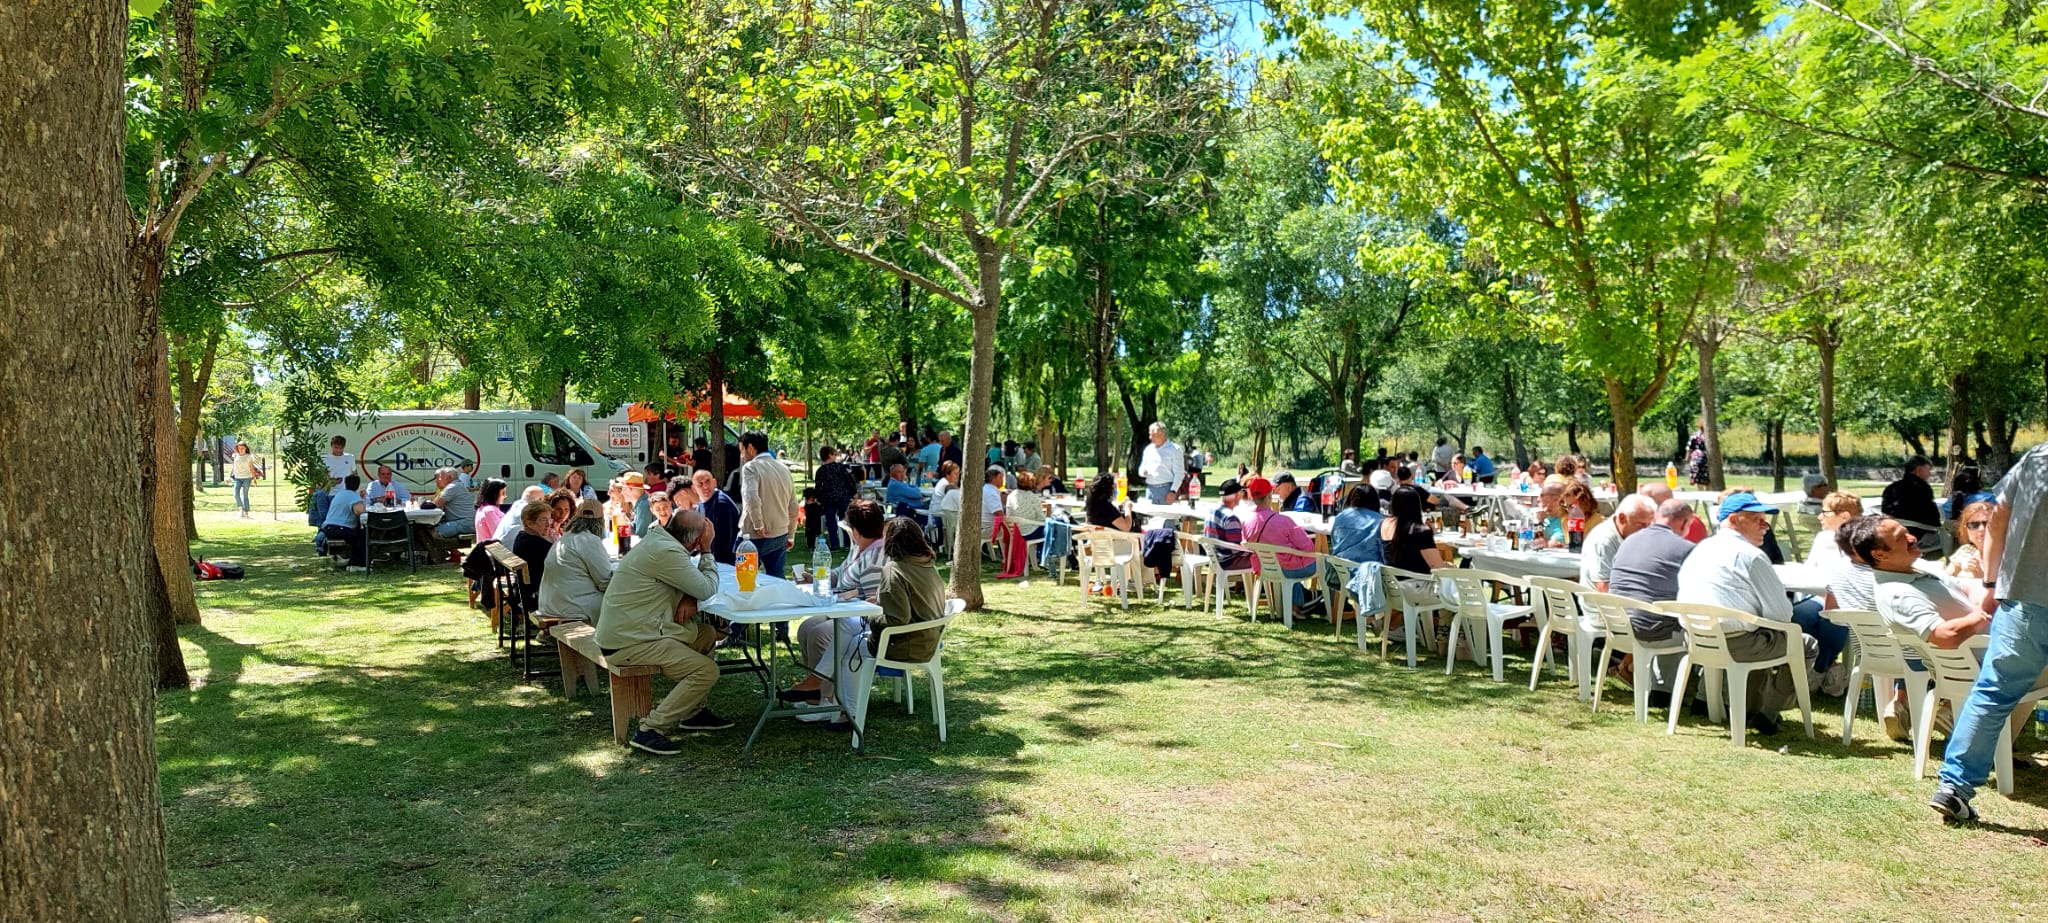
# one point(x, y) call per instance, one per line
point(449, 528)
point(1832, 638)
point(2012, 665)
point(829, 516)
point(1157, 492)
point(1300, 590)
point(242, 493)
point(772, 551)
point(316, 511)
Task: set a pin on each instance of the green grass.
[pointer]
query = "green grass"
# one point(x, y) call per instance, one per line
point(356, 749)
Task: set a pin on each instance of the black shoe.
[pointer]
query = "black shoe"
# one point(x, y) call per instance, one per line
point(1658, 698)
point(1697, 708)
point(654, 742)
point(799, 695)
point(1765, 725)
point(840, 725)
point(1951, 804)
point(704, 720)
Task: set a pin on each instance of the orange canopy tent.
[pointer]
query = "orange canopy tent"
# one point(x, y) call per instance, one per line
point(736, 407)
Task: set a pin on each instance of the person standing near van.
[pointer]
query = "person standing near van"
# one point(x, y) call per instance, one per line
point(340, 465)
point(246, 470)
point(767, 501)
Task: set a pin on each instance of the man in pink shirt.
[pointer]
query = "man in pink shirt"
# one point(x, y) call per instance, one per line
point(1270, 527)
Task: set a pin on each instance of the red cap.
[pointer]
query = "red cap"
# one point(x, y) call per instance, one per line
point(1259, 488)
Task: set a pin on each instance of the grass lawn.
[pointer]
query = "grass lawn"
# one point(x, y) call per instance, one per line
point(356, 750)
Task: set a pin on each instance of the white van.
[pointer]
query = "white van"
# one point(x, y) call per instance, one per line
point(515, 446)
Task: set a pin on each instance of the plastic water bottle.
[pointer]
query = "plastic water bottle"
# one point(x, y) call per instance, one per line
point(821, 569)
point(746, 564)
point(1528, 536)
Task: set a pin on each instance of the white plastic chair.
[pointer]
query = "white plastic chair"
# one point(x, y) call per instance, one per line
point(1272, 580)
point(1220, 577)
point(1557, 609)
point(1417, 598)
point(1194, 569)
point(1474, 612)
point(1110, 557)
point(1612, 611)
point(1337, 594)
point(1706, 646)
point(1878, 658)
point(1953, 672)
point(903, 671)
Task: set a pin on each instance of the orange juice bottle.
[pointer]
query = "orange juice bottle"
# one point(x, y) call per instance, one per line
point(1123, 488)
point(746, 564)
point(1671, 475)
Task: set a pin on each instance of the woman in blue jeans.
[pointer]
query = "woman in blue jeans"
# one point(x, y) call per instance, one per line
point(245, 471)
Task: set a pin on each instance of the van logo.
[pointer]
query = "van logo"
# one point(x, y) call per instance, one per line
point(416, 450)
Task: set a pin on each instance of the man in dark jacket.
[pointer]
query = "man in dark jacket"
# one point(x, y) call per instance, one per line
point(1910, 499)
point(836, 485)
point(717, 506)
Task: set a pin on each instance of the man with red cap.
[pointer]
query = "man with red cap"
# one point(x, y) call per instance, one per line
point(1270, 527)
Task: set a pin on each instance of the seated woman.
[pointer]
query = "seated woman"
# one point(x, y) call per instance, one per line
point(490, 510)
point(1581, 507)
point(1835, 509)
point(857, 577)
point(1026, 507)
point(911, 591)
point(531, 544)
point(1355, 532)
point(1409, 543)
point(1968, 558)
point(1049, 483)
point(1532, 478)
point(945, 493)
point(1102, 510)
point(578, 568)
point(578, 485)
point(1551, 508)
point(561, 505)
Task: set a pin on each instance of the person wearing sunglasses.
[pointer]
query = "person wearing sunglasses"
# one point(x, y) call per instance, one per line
point(1968, 558)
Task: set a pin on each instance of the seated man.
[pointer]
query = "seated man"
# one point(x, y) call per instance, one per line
point(1288, 497)
point(1730, 570)
point(456, 503)
point(724, 515)
point(1224, 525)
point(1645, 567)
point(899, 492)
point(1269, 527)
point(992, 482)
point(1943, 612)
point(385, 490)
point(1852, 583)
point(1633, 514)
point(648, 618)
point(344, 521)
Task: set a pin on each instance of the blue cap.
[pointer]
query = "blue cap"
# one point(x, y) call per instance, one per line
point(1742, 503)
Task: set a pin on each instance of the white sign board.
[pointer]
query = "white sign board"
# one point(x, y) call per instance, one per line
point(504, 432)
point(626, 436)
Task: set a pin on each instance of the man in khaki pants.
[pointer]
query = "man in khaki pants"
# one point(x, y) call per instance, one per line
point(649, 619)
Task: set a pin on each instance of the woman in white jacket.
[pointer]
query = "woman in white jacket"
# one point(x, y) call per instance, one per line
point(578, 569)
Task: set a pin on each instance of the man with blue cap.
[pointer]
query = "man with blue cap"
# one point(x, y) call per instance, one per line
point(1729, 569)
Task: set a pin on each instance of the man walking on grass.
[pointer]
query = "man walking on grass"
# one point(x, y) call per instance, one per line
point(2016, 572)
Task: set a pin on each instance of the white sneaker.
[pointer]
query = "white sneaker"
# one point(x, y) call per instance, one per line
point(357, 570)
point(815, 717)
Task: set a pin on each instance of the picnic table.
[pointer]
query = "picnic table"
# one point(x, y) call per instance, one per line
point(418, 517)
point(765, 652)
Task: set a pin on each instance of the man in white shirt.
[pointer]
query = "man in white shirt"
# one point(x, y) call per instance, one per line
point(767, 502)
point(1440, 457)
point(2015, 555)
point(1729, 569)
point(1596, 561)
point(340, 465)
point(386, 490)
point(1162, 467)
point(992, 498)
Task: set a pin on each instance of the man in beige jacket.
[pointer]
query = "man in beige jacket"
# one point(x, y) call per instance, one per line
point(649, 619)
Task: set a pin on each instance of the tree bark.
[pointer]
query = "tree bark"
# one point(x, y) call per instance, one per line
point(192, 386)
point(1098, 365)
point(981, 369)
point(715, 398)
point(1623, 413)
point(1511, 413)
point(81, 822)
point(1827, 343)
point(906, 359)
point(1776, 437)
point(1958, 423)
point(1709, 347)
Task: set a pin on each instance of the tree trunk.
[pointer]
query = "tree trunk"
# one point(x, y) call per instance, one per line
point(1511, 413)
point(1258, 459)
point(1958, 423)
point(714, 397)
point(81, 823)
point(1830, 450)
point(1710, 410)
point(906, 358)
point(1776, 438)
point(1624, 416)
point(2003, 432)
point(1571, 435)
point(192, 386)
point(967, 535)
point(1098, 367)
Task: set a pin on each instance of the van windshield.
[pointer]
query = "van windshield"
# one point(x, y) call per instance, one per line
point(550, 446)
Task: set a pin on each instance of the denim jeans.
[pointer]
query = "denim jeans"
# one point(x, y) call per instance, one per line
point(772, 551)
point(1300, 590)
point(242, 494)
point(829, 517)
point(1832, 638)
point(2012, 665)
point(1157, 492)
point(316, 510)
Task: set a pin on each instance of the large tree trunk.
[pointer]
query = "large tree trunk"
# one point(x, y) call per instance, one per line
point(1828, 343)
point(81, 824)
point(2003, 430)
point(1511, 413)
point(1710, 409)
point(192, 384)
point(967, 535)
point(1623, 413)
point(1958, 423)
point(1141, 416)
point(1098, 366)
point(1775, 436)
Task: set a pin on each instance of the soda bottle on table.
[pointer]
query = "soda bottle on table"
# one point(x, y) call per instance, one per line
point(1671, 475)
point(821, 569)
point(1123, 488)
point(746, 564)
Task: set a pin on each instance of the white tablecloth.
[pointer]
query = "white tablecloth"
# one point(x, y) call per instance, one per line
point(417, 517)
point(721, 604)
point(1553, 563)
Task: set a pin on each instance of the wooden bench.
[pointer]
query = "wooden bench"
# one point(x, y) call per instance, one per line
point(632, 687)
